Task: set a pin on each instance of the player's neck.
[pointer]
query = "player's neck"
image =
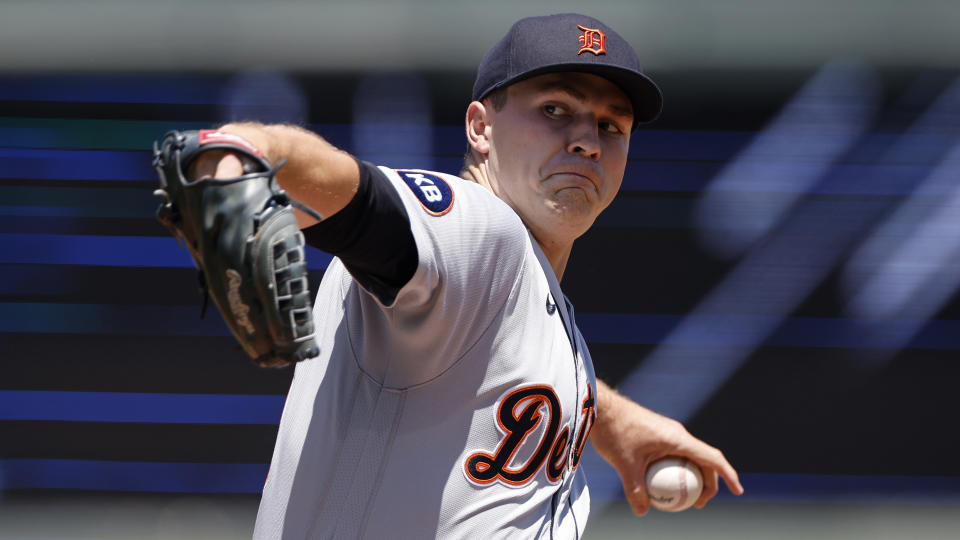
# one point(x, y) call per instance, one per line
point(556, 250)
point(558, 253)
point(472, 172)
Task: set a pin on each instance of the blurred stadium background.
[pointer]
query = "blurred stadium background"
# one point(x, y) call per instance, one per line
point(780, 271)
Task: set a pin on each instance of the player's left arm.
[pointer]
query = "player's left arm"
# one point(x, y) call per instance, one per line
point(316, 173)
point(630, 437)
point(364, 221)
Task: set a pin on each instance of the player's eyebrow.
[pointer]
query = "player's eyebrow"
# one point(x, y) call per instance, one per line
point(575, 93)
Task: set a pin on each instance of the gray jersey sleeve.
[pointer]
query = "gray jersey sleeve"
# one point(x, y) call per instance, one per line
point(470, 248)
point(371, 235)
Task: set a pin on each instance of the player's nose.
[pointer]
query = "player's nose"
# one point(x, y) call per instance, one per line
point(584, 137)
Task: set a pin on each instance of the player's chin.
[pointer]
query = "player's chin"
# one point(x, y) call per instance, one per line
point(574, 213)
point(576, 199)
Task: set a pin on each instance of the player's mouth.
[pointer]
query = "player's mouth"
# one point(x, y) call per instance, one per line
point(574, 179)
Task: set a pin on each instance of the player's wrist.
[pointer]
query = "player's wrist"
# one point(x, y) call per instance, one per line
point(216, 164)
point(257, 135)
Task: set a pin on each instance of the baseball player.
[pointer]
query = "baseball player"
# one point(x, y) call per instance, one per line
point(453, 395)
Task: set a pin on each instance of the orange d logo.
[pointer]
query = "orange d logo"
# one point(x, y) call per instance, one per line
point(592, 41)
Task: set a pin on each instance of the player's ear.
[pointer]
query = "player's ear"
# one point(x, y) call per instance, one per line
point(478, 127)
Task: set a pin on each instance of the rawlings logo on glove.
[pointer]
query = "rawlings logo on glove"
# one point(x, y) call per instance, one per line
point(237, 307)
point(244, 238)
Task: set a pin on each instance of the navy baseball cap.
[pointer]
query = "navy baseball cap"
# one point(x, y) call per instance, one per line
point(568, 42)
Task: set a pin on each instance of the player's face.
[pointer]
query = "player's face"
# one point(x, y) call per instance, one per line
point(558, 151)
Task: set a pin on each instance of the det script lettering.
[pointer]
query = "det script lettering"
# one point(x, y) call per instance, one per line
point(527, 416)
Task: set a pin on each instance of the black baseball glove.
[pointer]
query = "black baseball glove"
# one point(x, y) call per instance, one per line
point(244, 238)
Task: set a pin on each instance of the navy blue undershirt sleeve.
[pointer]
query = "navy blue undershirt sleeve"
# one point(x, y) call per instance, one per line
point(371, 235)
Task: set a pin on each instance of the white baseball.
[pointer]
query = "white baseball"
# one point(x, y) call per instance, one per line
point(673, 484)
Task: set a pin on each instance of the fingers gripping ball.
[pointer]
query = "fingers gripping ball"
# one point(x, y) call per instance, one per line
point(673, 484)
point(244, 238)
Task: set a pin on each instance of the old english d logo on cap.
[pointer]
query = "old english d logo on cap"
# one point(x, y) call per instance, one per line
point(548, 44)
point(592, 40)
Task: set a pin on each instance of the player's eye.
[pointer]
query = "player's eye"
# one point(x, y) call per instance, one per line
point(554, 110)
point(610, 127)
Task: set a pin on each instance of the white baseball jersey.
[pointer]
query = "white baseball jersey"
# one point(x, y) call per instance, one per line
point(459, 410)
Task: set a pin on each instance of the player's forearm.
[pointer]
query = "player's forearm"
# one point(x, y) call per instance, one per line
point(610, 405)
point(618, 416)
point(603, 436)
point(317, 173)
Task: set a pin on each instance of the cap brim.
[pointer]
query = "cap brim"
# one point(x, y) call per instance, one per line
point(644, 95)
